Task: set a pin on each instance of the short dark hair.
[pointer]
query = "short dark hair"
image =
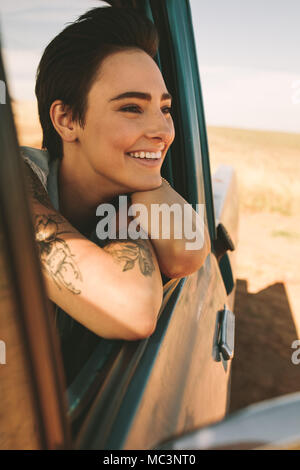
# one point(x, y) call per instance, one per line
point(70, 62)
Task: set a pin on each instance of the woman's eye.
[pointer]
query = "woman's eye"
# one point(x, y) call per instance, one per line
point(131, 109)
point(167, 110)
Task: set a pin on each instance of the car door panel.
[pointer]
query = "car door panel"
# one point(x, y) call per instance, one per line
point(176, 382)
point(187, 387)
point(17, 430)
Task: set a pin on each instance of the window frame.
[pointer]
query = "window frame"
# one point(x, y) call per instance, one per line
point(33, 312)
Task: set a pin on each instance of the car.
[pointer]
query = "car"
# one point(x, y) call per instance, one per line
point(125, 394)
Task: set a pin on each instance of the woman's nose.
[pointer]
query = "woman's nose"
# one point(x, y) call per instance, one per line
point(161, 128)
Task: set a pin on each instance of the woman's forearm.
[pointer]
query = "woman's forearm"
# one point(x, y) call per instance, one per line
point(178, 255)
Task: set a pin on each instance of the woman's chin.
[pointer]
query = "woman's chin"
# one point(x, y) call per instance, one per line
point(149, 184)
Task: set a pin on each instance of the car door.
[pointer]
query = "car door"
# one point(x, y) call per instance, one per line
point(178, 382)
point(138, 394)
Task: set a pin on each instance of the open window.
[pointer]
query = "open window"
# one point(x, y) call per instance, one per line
point(104, 389)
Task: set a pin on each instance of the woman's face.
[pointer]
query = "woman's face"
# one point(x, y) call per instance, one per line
point(128, 112)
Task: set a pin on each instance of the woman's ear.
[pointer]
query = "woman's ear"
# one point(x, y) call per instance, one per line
point(61, 117)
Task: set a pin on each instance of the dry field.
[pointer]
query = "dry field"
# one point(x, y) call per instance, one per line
point(268, 288)
point(267, 164)
point(267, 303)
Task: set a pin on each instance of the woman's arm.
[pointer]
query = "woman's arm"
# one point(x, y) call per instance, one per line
point(116, 291)
point(174, 258)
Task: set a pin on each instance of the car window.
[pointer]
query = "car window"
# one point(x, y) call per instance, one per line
point(86, 352)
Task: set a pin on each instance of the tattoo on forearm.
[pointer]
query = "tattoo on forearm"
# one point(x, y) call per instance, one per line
point(130, 252)
point(55, 254)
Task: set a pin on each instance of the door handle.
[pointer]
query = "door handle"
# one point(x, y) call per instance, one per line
point(226, 334)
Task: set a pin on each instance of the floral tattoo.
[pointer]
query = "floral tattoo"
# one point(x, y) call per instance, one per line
point(132, 252)
point(55, 254)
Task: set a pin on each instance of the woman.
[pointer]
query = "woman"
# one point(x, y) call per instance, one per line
point(105, 114)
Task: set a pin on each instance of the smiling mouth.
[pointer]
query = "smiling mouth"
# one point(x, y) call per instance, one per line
point(145, 155)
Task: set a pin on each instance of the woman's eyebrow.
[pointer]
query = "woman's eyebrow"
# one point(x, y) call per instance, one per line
point(140, 95)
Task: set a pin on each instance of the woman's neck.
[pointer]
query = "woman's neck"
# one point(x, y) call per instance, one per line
point(80, 195)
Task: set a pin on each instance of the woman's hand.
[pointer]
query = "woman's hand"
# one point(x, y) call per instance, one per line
point(170, 235)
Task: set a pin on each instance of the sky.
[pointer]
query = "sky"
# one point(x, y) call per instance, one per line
point(249, 61)
point(248, 55)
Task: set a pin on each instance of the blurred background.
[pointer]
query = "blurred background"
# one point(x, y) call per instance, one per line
point(250, 74)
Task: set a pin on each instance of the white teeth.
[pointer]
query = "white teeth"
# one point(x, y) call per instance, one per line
point(149, 155)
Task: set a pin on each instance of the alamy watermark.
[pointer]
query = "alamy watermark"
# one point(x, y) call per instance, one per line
point(2, 352)
point(166, 221)
point(296, 354)
point(2, 92)
point(296, 94)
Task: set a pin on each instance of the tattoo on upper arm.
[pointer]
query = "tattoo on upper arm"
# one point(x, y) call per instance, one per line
point(55, 254)
point(130, 252)
point(36, 189)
